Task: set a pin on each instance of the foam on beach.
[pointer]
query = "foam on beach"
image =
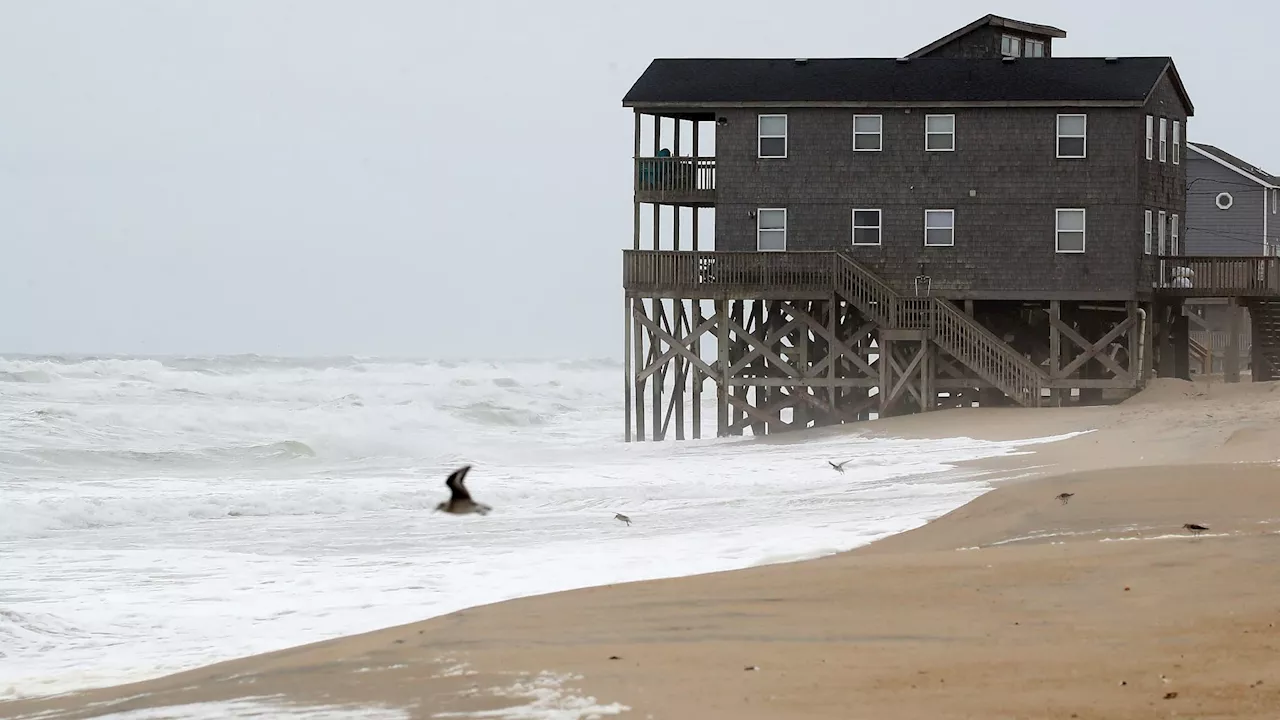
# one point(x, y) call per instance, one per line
point(127, 522)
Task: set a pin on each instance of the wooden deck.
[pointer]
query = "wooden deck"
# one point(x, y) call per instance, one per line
point(687, 181)
point(1218, 276)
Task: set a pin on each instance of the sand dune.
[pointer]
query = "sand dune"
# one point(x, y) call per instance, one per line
point(1014, 606)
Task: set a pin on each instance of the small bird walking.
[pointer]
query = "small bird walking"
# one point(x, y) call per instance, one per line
point(1194, 528)
point(460, 502)
point(1064, 497)
point(839, 467)
point(623, 518)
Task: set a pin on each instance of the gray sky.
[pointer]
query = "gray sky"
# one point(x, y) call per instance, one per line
point(447, 179)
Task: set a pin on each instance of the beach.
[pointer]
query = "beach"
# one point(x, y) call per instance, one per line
point(1014, 605)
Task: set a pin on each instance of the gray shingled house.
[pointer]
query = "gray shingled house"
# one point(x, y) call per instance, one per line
point(974, 221)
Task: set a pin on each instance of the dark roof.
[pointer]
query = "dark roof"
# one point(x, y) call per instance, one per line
point(1058, 80)
point(996, 21)
point(1237, 163)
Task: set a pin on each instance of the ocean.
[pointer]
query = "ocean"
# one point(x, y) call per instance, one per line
point(158, 514)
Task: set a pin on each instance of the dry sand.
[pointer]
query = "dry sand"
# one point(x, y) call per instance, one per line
point(1013, 606)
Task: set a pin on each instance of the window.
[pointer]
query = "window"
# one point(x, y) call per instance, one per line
point(1163, 130)
point(1224, 201)
point(1034, 48)
point(1071, 132)
point(867, 133)
point(1173, 235)
point(773, 136)
point(939, 228)
point(1275, 200)
point(940, 132)
point(866, 227)
point(1177, 142)
point(1070, 230)
point(1010, 46)
point(1146, 235)
point(1160, 237)
point(771, 229)
point(1151, 129)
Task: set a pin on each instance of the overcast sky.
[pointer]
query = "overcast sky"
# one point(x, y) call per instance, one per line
point(445, 178)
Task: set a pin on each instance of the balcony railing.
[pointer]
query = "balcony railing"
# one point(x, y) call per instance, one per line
point(726, 272)
point(1218, 275)
point(676, 179)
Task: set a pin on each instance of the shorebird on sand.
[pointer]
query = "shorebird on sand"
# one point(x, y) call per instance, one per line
point(1064, 497)
point(460, 502)
point(838, 467)
point(1194, 528)
point(621, 517)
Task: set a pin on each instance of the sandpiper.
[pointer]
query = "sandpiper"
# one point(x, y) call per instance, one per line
point(839, 467)
point(621, 517)
point(460, 502)
point(1064, 497)
point(1194, 528)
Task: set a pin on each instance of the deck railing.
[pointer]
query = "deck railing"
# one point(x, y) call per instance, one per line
point(1219, 275)
point(685, 270)
point(675, 174)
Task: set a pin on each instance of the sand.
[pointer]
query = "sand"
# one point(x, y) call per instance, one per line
point(1013, 606)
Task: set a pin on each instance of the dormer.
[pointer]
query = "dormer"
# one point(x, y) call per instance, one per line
point(994, 37)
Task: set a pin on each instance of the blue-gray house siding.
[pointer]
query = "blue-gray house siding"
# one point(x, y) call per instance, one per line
point(1250, 221)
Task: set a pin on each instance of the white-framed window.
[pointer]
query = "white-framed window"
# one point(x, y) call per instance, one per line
point(1034, 48)
point(1224, 201)
point(1069, 229)
point(772, 136)
point(1164, 127)
point(939, 228)
point(940, 132)
point(866, 226)
point(1160, 246)
point(868, 133)
point(1174, 245)
point(1146, 232)
point(1010, 45)
point(1151, 132)
point(1275, 201)
point(1071, 135)
point(771, 229)
point(1177, 142)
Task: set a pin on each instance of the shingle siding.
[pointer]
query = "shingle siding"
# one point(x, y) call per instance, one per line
point(1004, 237)
point(1234, 231)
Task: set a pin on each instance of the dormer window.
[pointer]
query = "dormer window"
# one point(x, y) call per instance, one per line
point(1034, 48)
point(1010, 46)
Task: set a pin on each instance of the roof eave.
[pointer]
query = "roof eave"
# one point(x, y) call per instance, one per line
point(1231, 166)
point(693, 105)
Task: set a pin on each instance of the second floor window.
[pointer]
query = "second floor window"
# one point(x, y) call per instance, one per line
point(1174, 248)
point(1164, 129)
point(1070, 230)
point(939, 228)
point(773, 136)
point(1071, 136)
point(1151, 131)
point(867, 133)
point(1160, 233)
point(866, 227)
point(1146, 235)
point(939, 132)
point(1177, 142)
point(771, 229)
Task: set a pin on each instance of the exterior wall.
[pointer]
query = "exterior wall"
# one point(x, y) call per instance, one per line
point(984, 42)
point(1003, 180)
point(1234, 231)
point(1162, 186)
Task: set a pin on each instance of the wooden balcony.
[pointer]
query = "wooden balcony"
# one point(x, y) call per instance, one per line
point(687, 181)
point(683, 273)
point(1218, 276)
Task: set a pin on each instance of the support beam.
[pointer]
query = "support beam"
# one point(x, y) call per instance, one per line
point(1231, 353)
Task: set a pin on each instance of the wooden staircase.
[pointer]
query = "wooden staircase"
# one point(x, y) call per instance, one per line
point(949, 328)
point(1265, 316)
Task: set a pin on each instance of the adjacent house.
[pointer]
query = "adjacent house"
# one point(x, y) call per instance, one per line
point(1233, 206)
